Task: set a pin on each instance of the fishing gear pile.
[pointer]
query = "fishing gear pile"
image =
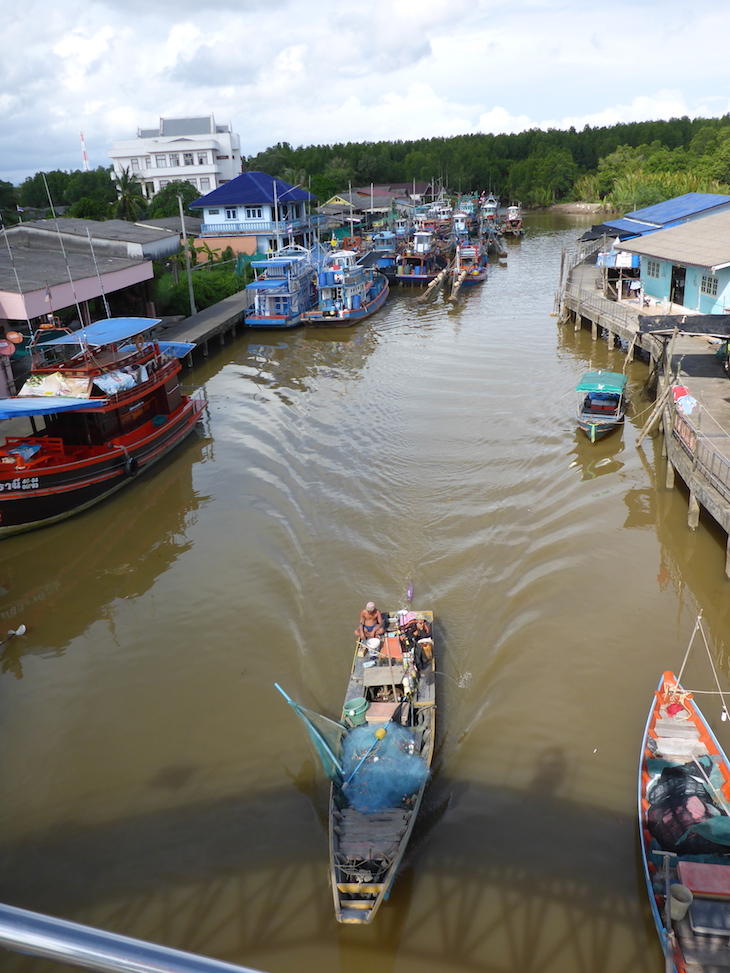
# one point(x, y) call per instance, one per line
point(380, 767)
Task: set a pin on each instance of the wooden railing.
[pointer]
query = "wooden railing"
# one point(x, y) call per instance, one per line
point(707, 452)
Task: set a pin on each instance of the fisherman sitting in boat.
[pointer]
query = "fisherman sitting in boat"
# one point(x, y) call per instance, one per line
point(371, 623)
point(416, 629)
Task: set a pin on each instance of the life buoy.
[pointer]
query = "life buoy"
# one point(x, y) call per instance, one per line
point(131, 466)
point(139, 342)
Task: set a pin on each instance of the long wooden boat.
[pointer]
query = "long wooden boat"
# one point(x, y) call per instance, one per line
point(684, 828)
point(347, 292)
point(398, 687)
point(378, 757)
point(601, 403)
point(101, 405)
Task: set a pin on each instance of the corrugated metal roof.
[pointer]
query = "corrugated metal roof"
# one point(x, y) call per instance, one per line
point(252, 189)
point(679, 208)
point(700, 243)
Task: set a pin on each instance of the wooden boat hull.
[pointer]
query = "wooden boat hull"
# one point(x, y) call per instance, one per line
point(598, 428)
point(366, 850)
point(683, 775)
point(33, 496)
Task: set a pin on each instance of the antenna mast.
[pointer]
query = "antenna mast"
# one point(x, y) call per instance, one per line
point(83, 153)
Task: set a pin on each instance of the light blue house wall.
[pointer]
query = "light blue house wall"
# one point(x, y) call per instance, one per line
point(698, 285)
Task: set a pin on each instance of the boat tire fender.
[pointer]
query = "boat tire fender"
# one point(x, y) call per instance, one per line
point(131, 466)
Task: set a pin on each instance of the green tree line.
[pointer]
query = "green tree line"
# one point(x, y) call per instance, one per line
point(625, 166)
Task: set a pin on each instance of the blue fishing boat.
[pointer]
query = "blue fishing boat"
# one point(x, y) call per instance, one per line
point(601, 404)
point(347, 291)
point(470, 266)
point(284, 287)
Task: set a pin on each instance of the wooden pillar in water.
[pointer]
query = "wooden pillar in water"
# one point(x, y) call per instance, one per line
point(693, 514)
point(669, 478)
point(594, 330)
point(727, 557)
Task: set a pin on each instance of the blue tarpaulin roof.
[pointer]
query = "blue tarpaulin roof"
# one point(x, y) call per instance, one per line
point(680, 208)
point(24, 406)
point(107, 332)
point(660, 216)
point(251, 189)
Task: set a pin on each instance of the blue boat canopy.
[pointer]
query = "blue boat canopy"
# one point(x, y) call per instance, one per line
point(266, 284)
point(277, 261)
point(613, 382)
point(110, 331)
point(19, 407)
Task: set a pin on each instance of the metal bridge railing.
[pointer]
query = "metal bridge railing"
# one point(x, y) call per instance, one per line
point(94, 949)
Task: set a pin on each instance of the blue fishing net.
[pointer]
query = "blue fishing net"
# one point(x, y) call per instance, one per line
point(381, 774)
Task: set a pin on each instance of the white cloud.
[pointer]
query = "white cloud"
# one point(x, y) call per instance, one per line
point(367, 70)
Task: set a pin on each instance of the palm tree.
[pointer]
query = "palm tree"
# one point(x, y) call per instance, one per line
point(130, 201)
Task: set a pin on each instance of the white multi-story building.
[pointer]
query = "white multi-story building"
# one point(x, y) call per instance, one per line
point(192, 149)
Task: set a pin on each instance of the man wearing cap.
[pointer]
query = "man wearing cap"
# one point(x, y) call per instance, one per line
point(371, 623)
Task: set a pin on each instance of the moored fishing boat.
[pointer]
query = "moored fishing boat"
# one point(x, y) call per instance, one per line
point(347, 292)
point(684, 827)
point(283, 288)
point(420, 262)
point(469, 267)
point(111, 406)
point(513, 221)
point(378, 757)
point(601, 404)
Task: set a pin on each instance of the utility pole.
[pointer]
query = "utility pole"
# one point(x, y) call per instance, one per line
point(187, 257)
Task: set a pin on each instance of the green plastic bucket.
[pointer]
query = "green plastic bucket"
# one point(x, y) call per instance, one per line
point(355, 710)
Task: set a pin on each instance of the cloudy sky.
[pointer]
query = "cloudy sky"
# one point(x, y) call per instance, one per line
point(324, 71)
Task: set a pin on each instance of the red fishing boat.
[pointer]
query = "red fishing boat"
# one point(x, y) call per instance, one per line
point(100, 405)
point(684, 826)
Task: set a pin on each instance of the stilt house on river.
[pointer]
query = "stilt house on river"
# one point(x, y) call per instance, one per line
point(664, 286)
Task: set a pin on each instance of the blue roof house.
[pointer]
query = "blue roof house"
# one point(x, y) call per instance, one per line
point(687, 264)
point(256, 212)
point(660, 216)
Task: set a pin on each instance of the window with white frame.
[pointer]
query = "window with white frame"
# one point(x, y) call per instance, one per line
point(164, 182)
point(202, 158)
point(253, 212)
point(174, 159)
point(188, 159)
point(135, 165)
point(709, 285)
point(231, 213)
point(213, 212)
point(204, 184)
point(161, 161)
point(652, 268)
point(147, 162)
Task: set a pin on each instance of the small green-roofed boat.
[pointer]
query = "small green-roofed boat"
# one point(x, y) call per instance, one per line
point(602, 402)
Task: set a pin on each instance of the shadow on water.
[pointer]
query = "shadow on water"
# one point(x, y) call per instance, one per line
point(243, 861)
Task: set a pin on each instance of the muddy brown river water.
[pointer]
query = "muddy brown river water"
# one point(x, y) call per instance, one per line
point(154, 783)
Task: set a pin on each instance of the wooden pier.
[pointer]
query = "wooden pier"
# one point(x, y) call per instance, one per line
point(212, 324)
point(697, 445)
